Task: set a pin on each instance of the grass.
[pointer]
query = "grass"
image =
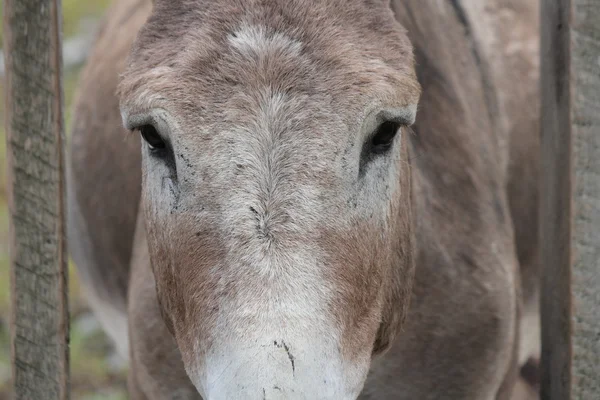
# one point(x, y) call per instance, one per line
point(92, 375)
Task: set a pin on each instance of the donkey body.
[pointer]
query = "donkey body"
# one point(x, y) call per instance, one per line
point(275, 237)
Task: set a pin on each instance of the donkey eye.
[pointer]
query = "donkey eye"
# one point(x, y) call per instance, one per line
point(151, 136)
point(383, 137)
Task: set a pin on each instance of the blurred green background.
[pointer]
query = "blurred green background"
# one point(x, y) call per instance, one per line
point(96, 371)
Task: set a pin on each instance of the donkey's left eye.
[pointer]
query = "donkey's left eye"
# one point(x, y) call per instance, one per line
point(383, 137)
point(152, 137)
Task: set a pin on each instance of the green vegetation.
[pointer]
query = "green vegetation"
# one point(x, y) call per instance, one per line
point(74, 13)
point(93, 375)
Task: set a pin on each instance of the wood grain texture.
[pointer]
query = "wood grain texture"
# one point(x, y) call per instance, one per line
point(570, 220)
point(585, 131)
point(35, 135)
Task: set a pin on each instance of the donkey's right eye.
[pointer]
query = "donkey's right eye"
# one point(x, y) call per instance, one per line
point(152, 137)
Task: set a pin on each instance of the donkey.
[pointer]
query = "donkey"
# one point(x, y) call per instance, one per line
point(312, 199)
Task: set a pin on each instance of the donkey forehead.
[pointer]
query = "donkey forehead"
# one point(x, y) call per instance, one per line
point(211, 59)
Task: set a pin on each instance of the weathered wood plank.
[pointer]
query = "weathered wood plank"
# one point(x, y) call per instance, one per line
point(555, 221)
point(585, 120)
point(35, 136)
point(571, 199)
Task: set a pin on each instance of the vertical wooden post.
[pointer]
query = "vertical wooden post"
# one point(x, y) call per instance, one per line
point(570, 223)
point(34, 127)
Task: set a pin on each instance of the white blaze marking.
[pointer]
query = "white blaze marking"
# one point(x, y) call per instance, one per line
point(257, 40)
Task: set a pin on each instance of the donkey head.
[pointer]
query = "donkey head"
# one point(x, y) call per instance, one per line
point(276, 188)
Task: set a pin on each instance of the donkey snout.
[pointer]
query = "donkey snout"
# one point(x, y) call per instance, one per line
point(280, 370)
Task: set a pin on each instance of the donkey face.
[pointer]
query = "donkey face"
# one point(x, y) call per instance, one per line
point(276, 188)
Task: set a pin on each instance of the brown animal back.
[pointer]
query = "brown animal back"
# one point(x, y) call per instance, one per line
point(104, 162)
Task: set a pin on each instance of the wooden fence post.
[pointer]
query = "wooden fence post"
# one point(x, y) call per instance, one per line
point(570, 223)
point(35, 136)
